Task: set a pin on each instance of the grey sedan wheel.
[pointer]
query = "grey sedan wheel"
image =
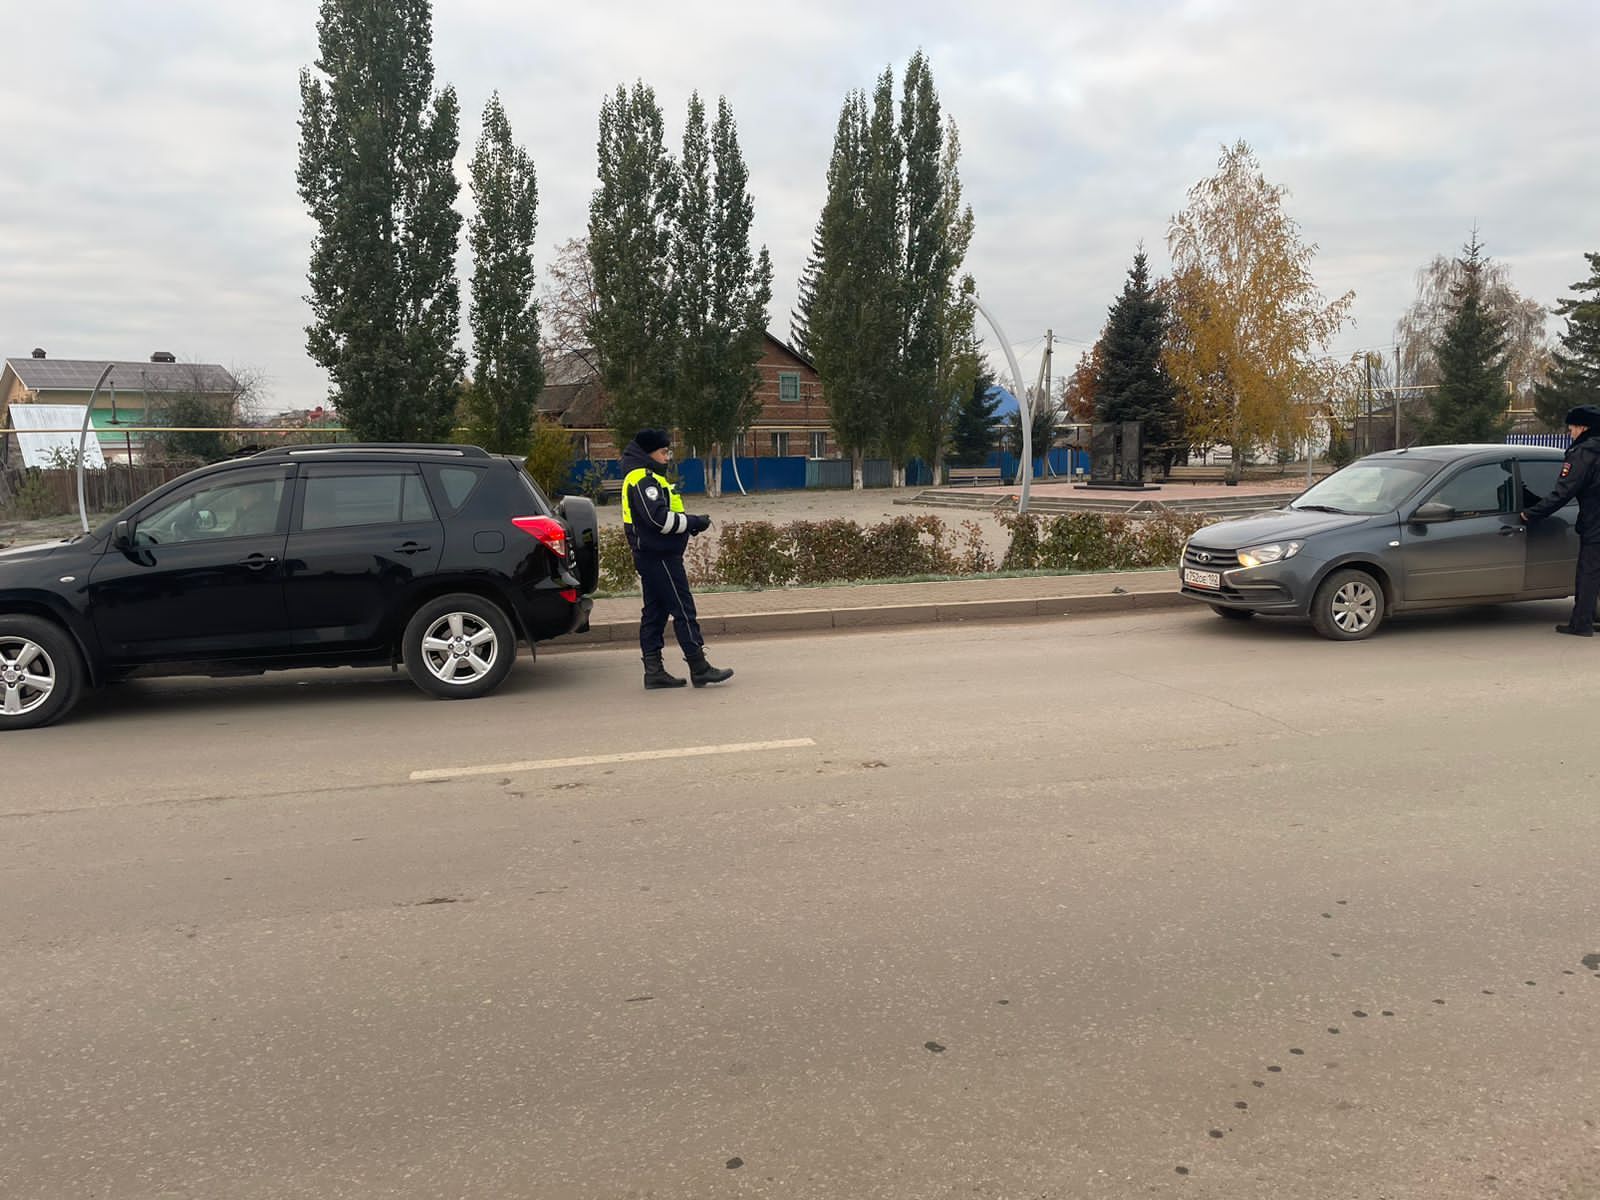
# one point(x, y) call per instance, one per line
point(1349, 606)
point(459, 647)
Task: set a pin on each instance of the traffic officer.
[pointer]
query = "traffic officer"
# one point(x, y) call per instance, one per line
point(1580, 481)
point(658, 531)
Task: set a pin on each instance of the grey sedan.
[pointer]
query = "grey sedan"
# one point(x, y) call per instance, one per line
point(1420, 528)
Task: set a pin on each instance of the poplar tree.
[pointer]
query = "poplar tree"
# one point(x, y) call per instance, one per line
point(505, 316)
point(377, 144)
point(631, 217)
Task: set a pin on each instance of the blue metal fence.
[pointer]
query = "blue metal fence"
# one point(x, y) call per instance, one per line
point(793, 473)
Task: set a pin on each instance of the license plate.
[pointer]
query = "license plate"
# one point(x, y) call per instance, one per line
point(1202, 579)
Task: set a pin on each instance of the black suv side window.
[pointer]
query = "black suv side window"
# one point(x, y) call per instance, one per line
point(458, 483)
point(1480, 491)
point(339, 501)
point(229, 507)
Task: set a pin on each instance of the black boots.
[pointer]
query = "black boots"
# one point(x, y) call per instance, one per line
point(702, 672)
point(655, 675)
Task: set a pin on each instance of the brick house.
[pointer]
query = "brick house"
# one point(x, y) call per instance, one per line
point(793, 420)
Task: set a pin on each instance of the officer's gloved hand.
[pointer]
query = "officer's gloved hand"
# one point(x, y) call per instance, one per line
point(698, 524)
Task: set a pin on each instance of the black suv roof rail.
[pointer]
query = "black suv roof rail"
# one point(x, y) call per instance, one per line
point(375, 447)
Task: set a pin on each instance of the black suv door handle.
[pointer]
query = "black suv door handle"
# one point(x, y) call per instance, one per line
point(411, 548)
point(257, 562)
point(1508, 530)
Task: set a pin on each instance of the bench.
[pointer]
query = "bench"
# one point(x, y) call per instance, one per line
point(1197, 474)
point(974, 476)
point(610, 489)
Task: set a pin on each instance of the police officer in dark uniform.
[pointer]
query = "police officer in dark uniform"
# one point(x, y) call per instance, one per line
point(658, 530)
point(1580, 481)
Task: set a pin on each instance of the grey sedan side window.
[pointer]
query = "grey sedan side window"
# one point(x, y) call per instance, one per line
point(1539, 478)
point(1479, 491)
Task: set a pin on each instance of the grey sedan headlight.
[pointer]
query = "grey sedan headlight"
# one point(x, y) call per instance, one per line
point(1260, 556)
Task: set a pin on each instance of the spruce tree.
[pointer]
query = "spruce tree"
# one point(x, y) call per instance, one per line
point(505, 317)
point(631, 217)
point(1131, 381)
point(377, 144)
point(1470, 402)
point(1575, 368)
point(972, 431)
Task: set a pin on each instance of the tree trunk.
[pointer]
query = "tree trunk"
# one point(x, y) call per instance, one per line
point(897, 475)
point(856, 482)
point(713, 473)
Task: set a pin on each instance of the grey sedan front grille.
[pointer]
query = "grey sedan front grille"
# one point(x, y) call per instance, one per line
point(1210, 560)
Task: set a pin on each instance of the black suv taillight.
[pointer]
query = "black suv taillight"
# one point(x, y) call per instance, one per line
point(548, 530)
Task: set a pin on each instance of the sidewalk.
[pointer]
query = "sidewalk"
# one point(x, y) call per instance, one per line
point(885, 604)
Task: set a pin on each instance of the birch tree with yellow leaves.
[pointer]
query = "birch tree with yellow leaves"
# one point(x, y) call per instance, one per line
point(1250, 329)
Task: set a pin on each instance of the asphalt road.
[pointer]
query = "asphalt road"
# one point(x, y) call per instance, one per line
point(1157, 905)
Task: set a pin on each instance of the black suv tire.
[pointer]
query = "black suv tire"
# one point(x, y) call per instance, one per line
point(47, 654)
point(439, 636)
point(1350, 605)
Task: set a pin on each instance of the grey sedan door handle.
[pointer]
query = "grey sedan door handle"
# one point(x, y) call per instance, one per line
point(1508, 530)
point(411, 548)
point(256, 561)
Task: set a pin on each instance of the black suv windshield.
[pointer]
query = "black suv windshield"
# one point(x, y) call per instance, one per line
point(1368, 487)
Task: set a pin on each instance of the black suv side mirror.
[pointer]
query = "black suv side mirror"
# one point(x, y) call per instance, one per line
point(1432, 513)
point(122, 536)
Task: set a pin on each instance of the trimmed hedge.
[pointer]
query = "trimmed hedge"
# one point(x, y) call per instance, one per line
point(760, 554)
point(1096, 542)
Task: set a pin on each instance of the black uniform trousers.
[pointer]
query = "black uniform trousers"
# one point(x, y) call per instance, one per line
point(1587, 585)
point(666, 594)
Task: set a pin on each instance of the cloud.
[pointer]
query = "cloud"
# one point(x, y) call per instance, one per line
point(150, 201)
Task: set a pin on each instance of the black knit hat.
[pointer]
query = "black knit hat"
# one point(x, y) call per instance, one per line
point(651, 440)
point(1586, 415)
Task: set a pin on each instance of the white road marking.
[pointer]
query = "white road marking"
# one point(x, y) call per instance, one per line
point(593, 760)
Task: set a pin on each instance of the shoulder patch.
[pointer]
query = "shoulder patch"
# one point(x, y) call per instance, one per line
point(652, 493)
point(1566, 469)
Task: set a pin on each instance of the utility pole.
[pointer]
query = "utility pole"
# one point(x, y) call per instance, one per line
point(1368, 449)
point(1397, 396)
point(1041, 391)
point(1049, 362)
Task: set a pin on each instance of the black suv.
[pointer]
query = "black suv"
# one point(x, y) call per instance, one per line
point(439, 557)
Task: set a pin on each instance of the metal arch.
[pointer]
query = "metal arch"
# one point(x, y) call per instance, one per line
point(83, 440)
point(1025, 407)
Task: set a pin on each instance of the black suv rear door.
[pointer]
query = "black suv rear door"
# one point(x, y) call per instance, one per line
point(363, 535)
point(202, 576)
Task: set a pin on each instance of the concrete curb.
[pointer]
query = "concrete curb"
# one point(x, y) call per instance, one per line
point(813, 620)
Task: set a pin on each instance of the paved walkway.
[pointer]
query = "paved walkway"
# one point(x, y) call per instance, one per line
point(883, 604)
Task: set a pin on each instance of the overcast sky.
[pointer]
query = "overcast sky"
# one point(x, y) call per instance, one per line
point(147, 197)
